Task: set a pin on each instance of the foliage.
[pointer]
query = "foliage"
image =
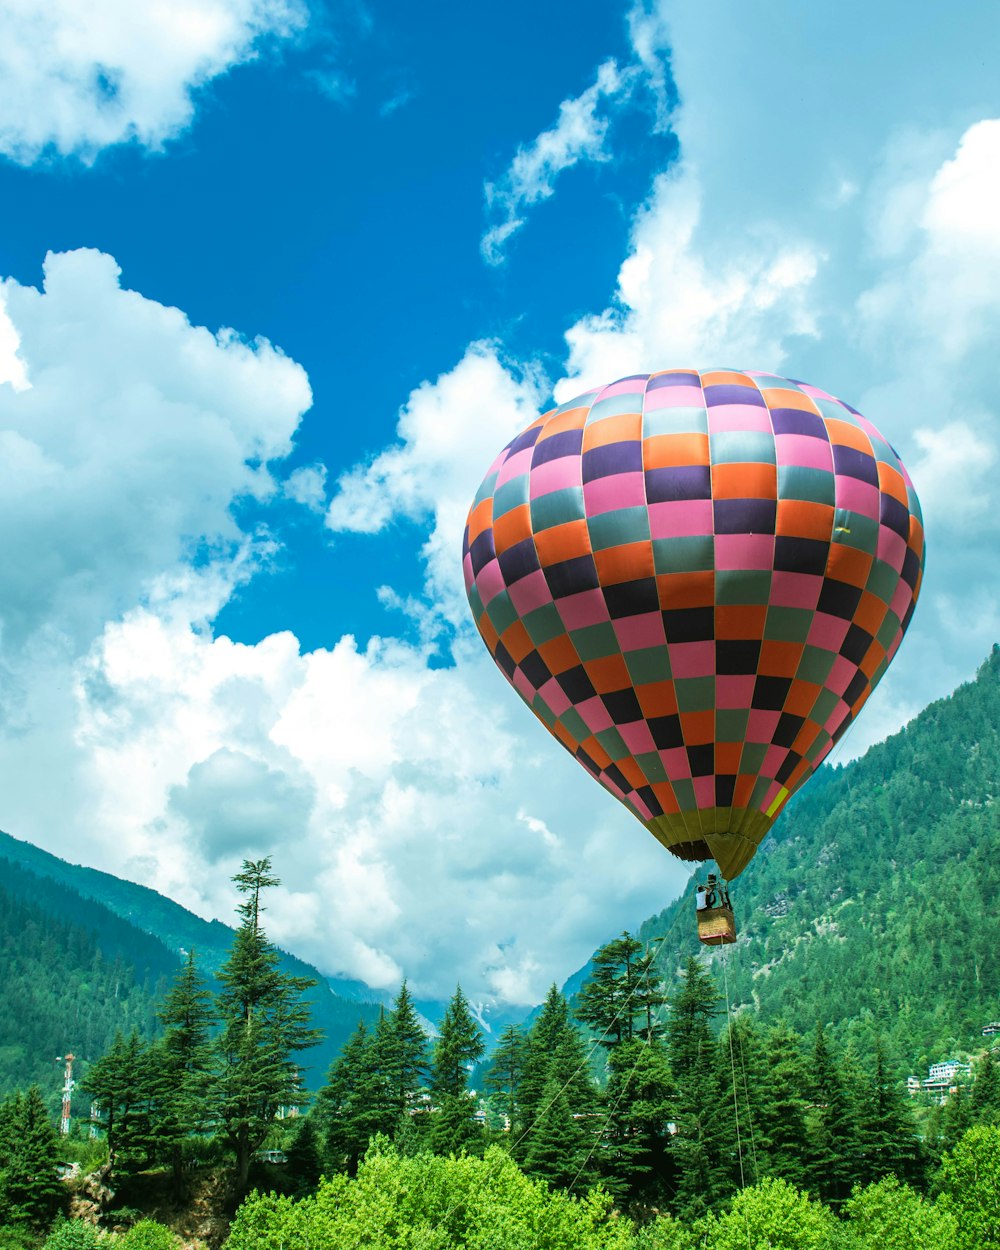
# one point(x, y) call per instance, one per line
point(30, 1193)
point(889, 1215)
point(459, 1047)
point(75, 1235)
point(183, 1066)
point(771, 1215)
point(265, 1022)
point(121, 1087)
point(701, 1146)
point(969, 1183)
point(67, 984)
point(431, 1203)
point(148, 1235)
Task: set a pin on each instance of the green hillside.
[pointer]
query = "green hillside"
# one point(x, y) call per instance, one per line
point(86, 953)
point(73, 973)
point(872, 906)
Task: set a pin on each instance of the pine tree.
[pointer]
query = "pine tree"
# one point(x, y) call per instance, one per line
point(459, 1046)
point(30, 1192)
point(745, 1079)
point(886, 1131)
point(265, 1022)
point(304, 1165)
point(558, 1147)
point(832, 1126)
point(122, 1084)
point(353, 1104)
point(705, 1134)
point(183, 1062)
point(619, 999)
point(635, 1158)
point(404, 1047)
point(504, 1076)
point(986, 1090)
point(782, 1143)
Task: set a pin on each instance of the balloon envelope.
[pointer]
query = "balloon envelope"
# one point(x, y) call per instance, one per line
point(695, 581)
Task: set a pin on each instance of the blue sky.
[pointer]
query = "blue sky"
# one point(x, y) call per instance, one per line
point(230, 593)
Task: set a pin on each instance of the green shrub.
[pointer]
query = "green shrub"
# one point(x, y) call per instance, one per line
point(76, 1235)
point(775, 1215)
point(148, 1235)
point(891, 1216)
point(425, 1202)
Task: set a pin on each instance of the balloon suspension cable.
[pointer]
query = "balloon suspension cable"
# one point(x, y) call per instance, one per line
point(585, 1061)
point(736, 1105)
point(732, 1063)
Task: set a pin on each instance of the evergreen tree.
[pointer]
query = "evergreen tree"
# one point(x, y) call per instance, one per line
point(183, 1062)
point(832, 1126)
point(265, 1023)
point(558, 1147)
point(403, 1047)
point(352, 1106)
point(986, 1090)
point(555, 1056)
point(619, 998)
point(459, 1046)
point(503, 1079)
point(635, 1159)
point(886, 1131)
point(705, 1138)
point(781, 1139)
point(123, 1086)
point(743, 1071)
point(304, 1166)
point(30, 1192)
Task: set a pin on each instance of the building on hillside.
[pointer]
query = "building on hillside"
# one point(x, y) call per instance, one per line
point(942, 1079)
point(991, 1029)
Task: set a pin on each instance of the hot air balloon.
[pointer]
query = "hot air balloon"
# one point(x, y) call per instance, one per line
point(695, 580)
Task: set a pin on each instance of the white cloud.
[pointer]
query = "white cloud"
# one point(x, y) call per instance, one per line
point(449, 431)
point(12, 370)
point(413, 829)
point(76, 78)
point(124, 456)
point(307, 486)
point(578, 135)
point(681, 301)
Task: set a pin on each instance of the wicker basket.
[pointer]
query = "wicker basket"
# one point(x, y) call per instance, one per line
point(716, 926)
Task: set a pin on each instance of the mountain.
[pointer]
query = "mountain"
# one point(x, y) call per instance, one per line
point(86, 953)
point(872, 906)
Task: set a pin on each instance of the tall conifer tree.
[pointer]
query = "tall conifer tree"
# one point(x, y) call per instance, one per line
point(265, 1023)
point(459, 1046)
point(706, 1134)
point(183, 1061)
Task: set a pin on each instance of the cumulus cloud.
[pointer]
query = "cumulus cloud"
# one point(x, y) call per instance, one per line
point(78, 78)
point(124, 456)
point(238, 806)
point(682, 301)
point(413, 829)
point(578, 135)
point(448, 433)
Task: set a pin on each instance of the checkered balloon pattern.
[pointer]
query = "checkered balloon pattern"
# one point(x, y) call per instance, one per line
point(695, 580)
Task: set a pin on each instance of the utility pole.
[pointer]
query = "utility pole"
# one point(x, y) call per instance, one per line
point(67, 1098)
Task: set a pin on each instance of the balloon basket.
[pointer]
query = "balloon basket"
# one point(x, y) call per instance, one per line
point(716, 926)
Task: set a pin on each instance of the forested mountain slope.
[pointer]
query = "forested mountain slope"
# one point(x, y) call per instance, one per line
point(873, 905)
point(73, 973)
point(85, 953)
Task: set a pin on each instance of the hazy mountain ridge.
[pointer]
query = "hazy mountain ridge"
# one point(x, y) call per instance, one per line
point(146, 934)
